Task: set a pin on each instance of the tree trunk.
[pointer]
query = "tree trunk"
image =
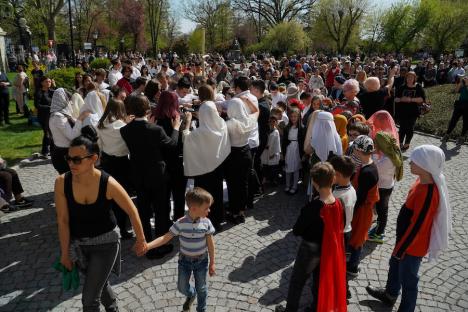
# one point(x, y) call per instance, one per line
point(51, 29)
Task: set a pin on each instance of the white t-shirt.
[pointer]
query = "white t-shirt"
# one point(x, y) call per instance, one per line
point(111, 141)
point(347, 194)
point(114, 76)
point(386, 170)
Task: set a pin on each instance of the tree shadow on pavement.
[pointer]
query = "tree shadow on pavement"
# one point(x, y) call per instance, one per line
point(272, 258)
point(29, 245)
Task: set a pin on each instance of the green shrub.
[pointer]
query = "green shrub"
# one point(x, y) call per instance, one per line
point(64, 77)
point(100, 63)
point(436, 121)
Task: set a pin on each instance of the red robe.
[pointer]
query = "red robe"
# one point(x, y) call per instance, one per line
point(332, 280)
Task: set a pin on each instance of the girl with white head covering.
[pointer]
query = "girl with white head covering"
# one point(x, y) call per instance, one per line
point(325, 139)
point(423, 226)
point(205, 150)
point(95, 102)
point(241, 125)
point(63, 128)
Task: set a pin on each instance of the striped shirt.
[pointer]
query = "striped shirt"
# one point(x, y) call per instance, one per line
point(192, 234)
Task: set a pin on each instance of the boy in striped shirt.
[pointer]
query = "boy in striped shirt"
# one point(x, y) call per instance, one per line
point(195, 233)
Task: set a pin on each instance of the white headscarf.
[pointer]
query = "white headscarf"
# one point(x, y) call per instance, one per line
point(325, 138)
point(60, 103)
point(93, 104)
point(432, 159)
point(240, 122)
point(206, 147)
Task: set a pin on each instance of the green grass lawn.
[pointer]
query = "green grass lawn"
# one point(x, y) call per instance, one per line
point(18, 140)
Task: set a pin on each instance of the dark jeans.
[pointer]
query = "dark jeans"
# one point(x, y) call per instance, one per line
point(46, 136)
point(4, 103)
point(306, 265)
point(10, 183)
point(382, 210)
point(96, 288)
point(237, 170)
point(460, 110)
point(406, 129)
point(58, 159)
point(212, 182)
point(118, 168)
point(403, 274)
point(199, 267)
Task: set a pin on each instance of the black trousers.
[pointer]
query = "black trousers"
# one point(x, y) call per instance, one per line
point(459, 111)
point(152, 201)
point(238, 166)
point(406, 129)
point(4, 103)
point(255, 186)
point(58, 159)
point(46, 136)
point(176, 186)
point(382, 210)
point(118, 168)
point(307, 264)
point(10, 183)
point(212, 182)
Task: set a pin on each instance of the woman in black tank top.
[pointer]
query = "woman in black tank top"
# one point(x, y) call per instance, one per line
point(86, 223)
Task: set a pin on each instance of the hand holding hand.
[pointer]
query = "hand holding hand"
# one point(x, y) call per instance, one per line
point(140, 248)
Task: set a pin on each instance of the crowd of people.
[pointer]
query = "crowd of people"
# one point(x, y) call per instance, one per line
point(156, 129)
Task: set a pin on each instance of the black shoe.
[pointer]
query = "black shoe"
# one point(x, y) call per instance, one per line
point(218, 228)
point(23, 203)
point(126, 235)
point(188, 304)
point(348, 294)
point(8, 208)
point(280, 308)
point(352, 272)
point(159, 253)
point(382, 295)
point(239, 219)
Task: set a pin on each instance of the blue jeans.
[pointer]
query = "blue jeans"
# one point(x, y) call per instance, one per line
point(403, 274)
point(199, 267)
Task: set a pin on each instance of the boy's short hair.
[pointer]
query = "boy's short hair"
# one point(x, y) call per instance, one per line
point(360, 127)
point(323, 174)
point(343, 165)
point(198, 197)
point(276, 110)
point(282, 105)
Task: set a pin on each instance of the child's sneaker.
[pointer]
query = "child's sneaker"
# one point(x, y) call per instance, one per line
point(188, 304)
point(376, 238)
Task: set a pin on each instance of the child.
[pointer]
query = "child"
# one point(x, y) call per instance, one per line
point(367, 193)
point(293, 138)
point(389, 162)
point(355, 130)
point(272, 153)
point(423, 226)
point(320, 224)
point(344, 191)
point(195, 233)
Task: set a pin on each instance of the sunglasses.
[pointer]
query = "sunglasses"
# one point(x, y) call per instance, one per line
point(76, 160)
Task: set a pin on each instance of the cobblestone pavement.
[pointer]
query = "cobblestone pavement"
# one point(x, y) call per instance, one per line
point(254, 260)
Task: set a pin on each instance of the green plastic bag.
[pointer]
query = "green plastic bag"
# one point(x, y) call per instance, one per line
point(70, 279)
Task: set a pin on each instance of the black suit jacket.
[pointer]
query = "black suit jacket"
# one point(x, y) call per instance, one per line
point(146, 143)
point(263, 123)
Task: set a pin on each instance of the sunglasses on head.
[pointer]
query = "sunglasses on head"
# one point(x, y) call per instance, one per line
point(76, 160)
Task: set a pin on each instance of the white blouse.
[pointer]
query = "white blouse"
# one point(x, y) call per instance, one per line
point(111, 141)
point(62, 132)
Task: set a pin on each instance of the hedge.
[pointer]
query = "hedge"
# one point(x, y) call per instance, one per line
point(100, 63)
point(436, 121)
point(64, 77)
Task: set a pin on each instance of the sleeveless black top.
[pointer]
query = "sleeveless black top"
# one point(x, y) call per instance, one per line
point(89, 220)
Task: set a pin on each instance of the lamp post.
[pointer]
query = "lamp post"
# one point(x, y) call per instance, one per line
point(73, 60)
point(95, 37)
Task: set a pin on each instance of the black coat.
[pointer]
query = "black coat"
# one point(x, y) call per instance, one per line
point(147, 143)
point(263, 123)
